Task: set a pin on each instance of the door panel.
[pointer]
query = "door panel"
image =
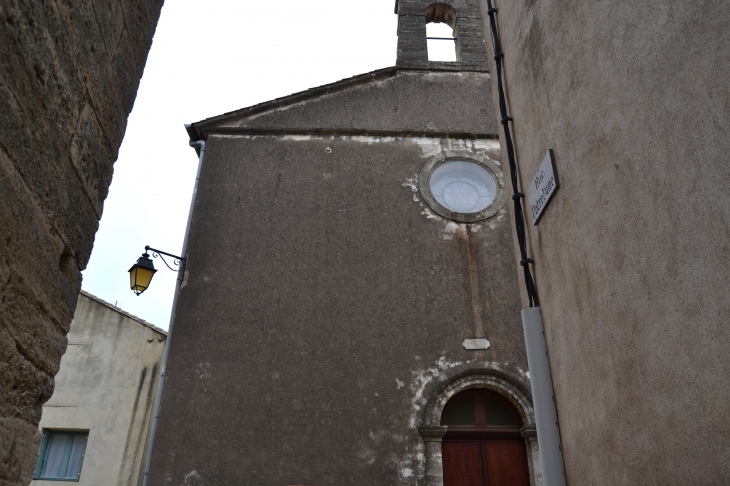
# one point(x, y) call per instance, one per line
point(506, 463)
point(462, 463)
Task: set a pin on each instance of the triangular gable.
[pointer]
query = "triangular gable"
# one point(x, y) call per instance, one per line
point(391, 100)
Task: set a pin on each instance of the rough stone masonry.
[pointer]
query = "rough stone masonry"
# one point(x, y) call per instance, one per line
point(69, 73)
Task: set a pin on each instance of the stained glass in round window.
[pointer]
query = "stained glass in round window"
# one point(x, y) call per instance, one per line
point(463, 187)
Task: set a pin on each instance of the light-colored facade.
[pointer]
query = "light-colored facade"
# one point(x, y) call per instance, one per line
point(106, 386)
point(631, 253)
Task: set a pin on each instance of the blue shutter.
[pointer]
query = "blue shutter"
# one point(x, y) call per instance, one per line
point(41, 456)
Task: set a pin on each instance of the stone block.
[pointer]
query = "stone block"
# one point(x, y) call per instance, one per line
point(18, 440)
point(69, 72)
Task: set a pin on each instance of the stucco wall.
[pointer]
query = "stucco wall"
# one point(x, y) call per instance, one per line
point(634, 100)
point(68, 77)
point(325, 303)
point(106, 385)
point(408, 101)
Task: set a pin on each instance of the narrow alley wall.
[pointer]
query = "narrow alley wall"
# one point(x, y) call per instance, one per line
point(69, 73)
point(630, 254)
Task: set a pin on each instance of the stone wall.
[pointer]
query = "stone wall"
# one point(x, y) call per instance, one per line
point(69, 73)
point(631, 254)
point(463, 16)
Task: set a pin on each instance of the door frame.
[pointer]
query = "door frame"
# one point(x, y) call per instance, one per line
point(512, 388)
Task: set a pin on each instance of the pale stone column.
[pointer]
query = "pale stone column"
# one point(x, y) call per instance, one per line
point(432, 437)
point(533, 454)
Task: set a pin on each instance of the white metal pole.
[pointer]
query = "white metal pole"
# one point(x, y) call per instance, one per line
point(543, 399)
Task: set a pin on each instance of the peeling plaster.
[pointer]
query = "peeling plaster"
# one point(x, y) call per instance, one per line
point(296, 138)
point(193, 478)
point(412, 465)
point(432, 147)
point(412, 182)
point(202, 370)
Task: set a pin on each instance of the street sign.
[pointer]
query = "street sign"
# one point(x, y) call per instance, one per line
point(542, 188)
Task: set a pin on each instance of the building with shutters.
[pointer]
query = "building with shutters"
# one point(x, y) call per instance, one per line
point(95, 426)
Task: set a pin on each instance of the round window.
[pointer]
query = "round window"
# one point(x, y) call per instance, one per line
point(463, 187)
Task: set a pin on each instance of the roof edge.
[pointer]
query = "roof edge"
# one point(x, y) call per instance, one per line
point(197, 131)
point(349, 132)
point(120, 311)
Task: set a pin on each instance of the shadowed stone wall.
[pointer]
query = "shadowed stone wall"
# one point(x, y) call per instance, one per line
point(69, 73)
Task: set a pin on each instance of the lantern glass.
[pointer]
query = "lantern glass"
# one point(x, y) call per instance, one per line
point(140, 278)
point(140, 275)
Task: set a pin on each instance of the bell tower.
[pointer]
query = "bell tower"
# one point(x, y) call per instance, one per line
point(463, 16)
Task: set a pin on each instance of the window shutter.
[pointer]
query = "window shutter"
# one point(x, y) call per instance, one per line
point(41, 456)
point(86, 442)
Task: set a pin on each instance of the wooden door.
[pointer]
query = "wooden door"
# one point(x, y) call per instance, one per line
point(483, 445)
point(465, 463)
point(506, 463)
point(484, 462)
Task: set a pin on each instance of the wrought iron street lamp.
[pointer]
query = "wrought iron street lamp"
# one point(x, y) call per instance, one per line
point(141, 273)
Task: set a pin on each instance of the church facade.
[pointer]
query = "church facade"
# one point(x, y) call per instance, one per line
point(351, 309)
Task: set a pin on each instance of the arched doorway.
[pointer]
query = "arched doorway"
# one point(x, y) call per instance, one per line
point(483, 444)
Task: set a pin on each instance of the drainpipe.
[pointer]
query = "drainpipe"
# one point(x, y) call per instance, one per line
point(543, 399)
point(200, 145)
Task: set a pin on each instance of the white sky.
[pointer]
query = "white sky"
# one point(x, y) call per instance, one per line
point(209, 58)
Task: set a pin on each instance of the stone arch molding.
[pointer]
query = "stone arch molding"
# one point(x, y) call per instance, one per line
point(441, 12)
point(456, 4)
point(499, 381)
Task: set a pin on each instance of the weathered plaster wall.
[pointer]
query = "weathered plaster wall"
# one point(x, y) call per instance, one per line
point(634, 100)
point(408, 101)
point(68, 77)
point(325, 303)
point(106, 385)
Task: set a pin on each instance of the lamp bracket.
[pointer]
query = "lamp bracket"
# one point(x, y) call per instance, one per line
point(177, 261)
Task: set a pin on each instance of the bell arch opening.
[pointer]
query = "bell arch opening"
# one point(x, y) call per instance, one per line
point(440, 39)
